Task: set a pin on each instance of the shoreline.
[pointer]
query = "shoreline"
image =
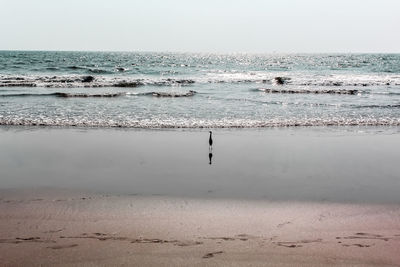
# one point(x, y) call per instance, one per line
point(312, 128)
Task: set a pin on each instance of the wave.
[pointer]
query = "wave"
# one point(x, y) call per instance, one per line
point(155, 123)
point(170, 81)
point(100, 95)
point(80, 69)
point(52, 68)
point(65, 95)
point(77, 81)
point(296, 80)
point(302, 79)
point(289, 91)
point(307, 104)
point(164, 94)
point(387, 93)
point(75, 68)
point(17, 84)
point(131, 84)
point(25, 95)
point(389, 106)
point(99, 71)
point(83, 95)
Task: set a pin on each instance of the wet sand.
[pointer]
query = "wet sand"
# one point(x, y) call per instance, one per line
point(303, 197)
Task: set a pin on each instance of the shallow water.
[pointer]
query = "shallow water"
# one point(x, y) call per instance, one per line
point(345, 165)
point(167, 90)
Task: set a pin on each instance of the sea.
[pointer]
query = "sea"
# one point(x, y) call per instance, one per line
point(198, 90)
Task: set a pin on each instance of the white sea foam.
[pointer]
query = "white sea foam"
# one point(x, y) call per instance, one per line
point(296, 79)
point(197, 123)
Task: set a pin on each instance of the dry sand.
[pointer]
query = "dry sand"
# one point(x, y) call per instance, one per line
point(56, 227)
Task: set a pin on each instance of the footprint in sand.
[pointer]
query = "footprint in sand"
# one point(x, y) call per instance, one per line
point(283, 224)
point(241, 237)
point(289, 245)
point(19, 240)
point(296, 244)
point(358, 245)
point(105, 237)
point(365, 236)
point(54, 231)
point(187, 243)
point(212, 254)
point(63, 246)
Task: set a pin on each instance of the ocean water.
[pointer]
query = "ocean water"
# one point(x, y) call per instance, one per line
point(187, 90)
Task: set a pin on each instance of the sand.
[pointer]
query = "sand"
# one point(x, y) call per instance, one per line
point(299, 197)
point(69, 228)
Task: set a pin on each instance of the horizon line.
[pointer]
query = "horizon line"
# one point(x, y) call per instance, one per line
point(191, 52)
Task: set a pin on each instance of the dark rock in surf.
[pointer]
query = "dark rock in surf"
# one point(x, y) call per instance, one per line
point(88, 79)
point(120, 69)
point(128, 84)
point(281, 80)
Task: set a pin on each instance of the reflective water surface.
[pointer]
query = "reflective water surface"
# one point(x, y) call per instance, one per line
point(305, 164)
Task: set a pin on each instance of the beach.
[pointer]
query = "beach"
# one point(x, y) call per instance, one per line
point(319, 196)
point(200, 133)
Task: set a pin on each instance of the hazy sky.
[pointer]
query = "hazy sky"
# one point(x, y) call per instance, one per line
point(201, 25)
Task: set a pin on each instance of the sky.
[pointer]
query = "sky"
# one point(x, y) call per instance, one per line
point(222, 26)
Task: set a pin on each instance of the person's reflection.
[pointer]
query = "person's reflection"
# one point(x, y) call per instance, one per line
point(210, 154)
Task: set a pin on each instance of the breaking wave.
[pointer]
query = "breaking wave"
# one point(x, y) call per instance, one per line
point(197, 123)
point(289, 91)
point(101, 95)
point(76, 81)
point(73, 81)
